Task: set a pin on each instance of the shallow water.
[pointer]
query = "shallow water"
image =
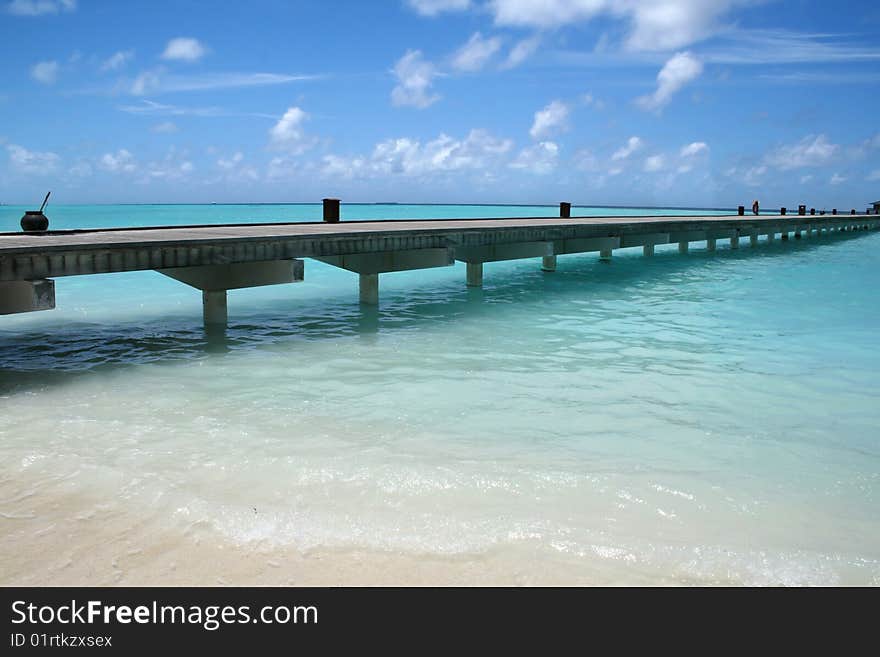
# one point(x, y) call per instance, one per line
point(709, 417)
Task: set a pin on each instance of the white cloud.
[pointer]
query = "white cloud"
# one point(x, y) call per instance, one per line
point(806, 179)
point(591, 101)
point(811, 151)
point(585, 160)
point(25, 161)
point(281, 168)
point(174, 166)
point(544, 13)
point(474, 54)
point(230, 163)
point(117, 60)
point(233, 169)
point(654, 25)
point(145, 83)
point(414, 79)
point(654, 163)
point(632, 145)
point(755, 175)
point(165, 128)
point(836, 179)
point(157, 81)
point(477, 152)
point(80, 170)
point(444, 153)
point(45, 72)
point(121, 161)
point(39, 7)
point(540, 158)
point(873, 176)
point(667, 24)
point(185, 49)
point(694, 149)
point(521, 51)
point(677, 72)
point(553, 118)
point(288, 133)
point(152, 107)
point(776, 46)
point(434, 7)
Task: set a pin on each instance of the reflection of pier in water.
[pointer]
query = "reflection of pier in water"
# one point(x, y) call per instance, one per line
point(218, 258)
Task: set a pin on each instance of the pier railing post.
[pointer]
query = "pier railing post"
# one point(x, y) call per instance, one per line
point(741, 210)
point(331, 210)
point(565, 210)
point(548, 263)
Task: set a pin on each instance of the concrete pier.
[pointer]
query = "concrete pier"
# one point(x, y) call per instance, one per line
point(26, 296)
point(214, 307)
point(368, 288)
point(475, 274)
point(214, 259)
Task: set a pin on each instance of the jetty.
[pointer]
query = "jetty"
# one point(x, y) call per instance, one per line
point(217, 258)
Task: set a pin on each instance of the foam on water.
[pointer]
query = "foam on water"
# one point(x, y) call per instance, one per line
point(698, 418)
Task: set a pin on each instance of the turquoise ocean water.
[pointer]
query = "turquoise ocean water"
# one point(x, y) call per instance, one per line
point(708, 418)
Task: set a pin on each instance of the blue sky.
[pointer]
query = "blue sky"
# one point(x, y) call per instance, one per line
point(625, 102)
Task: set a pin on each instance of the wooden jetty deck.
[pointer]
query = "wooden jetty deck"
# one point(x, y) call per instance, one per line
point(217, 258)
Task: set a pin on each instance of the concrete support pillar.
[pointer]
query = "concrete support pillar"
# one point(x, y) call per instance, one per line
point(784, 235)
point(682, 247)
point(770, 237)
point(797, 234)
point(26, 296)
point(214, 307)
point(753, 239)
point(474, 274)
point(369, 289)
point(605, 255)
point(548, 263)
point(648, 250)
point(734, 242)
point(710, 244)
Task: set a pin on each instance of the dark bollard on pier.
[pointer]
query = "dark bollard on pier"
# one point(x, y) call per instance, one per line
point(802, 210)
point(783, 211)
point(852, 211)
point(741, 210)
point(565, 210)
point(834, 211)
point(331, 210)
point(812, 211)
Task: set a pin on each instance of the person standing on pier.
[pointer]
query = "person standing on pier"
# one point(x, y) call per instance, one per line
point(755, 207)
